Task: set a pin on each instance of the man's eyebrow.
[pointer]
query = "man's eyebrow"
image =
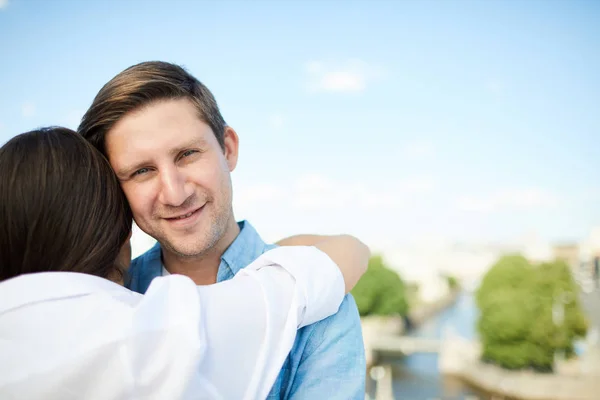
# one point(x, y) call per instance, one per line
point(125, 171)
point(182, 147)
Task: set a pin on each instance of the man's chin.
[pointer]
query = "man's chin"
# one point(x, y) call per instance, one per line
point(192, 250)
point(189, 244)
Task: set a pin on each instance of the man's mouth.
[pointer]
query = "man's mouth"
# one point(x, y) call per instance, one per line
point(186, 215)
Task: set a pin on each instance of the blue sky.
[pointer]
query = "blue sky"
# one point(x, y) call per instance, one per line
point(466, 120)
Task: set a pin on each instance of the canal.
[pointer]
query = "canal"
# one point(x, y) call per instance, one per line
point(416, 377)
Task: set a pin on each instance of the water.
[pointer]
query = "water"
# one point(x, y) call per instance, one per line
point(416, 377)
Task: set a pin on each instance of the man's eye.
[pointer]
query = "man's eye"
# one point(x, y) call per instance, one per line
point(188, 153)
point(141, 171)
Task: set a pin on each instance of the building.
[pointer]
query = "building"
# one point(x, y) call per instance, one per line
point(569, 253)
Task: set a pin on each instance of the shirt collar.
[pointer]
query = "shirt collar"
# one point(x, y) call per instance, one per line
point(243, 250)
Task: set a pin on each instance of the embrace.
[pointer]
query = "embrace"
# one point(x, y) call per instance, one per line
point(210, 312)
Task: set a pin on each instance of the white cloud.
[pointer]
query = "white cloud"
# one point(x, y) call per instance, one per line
point(343, 81)
point(316, 192)
point(27, 109)
point(277, 122)
point(511, 199)
point(417, 185)
point(418, 150)
point(319, 204)
point(3, 4)
point(408, 219)
point(260, 193)
point(351, 76)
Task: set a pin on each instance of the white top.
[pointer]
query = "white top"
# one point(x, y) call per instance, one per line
point(75, 336)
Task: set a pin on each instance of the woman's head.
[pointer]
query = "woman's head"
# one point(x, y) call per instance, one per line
point(61, 207)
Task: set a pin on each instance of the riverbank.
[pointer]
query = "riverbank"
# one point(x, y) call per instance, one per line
point(418, 375)
point(415, 375)
point(377, 326)
point(577, 379)
point(574, 379)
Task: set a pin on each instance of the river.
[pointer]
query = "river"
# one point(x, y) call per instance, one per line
point(416, 377)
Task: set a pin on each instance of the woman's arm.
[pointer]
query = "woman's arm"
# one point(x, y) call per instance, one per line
point(349, 253)
point(301, 240)
point(251, 320)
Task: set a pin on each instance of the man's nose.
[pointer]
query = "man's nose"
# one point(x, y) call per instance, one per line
point(174, 190)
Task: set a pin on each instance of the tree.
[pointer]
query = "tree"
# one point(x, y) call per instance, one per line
point(380, 291)
point(453, 283)
point(511, 272)
point(528, 313)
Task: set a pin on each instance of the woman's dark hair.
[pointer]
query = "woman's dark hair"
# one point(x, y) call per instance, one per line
point(61, 206)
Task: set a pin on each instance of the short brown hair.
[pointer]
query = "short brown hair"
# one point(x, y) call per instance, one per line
point(143, 84)
point(61, 206)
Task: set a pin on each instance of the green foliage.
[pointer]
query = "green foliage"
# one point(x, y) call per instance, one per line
point(380, 291)
point(521, 306)
point(510, 273)
point(518, 355)
point(452, 282)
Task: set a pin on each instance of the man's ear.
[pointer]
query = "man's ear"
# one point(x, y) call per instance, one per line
point(231, 146)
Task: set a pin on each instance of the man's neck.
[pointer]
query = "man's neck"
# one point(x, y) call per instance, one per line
point(202, 269)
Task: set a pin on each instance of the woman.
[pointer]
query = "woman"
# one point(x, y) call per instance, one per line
point(69, 330)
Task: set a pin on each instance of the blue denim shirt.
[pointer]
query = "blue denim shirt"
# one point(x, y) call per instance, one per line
point(327, 360)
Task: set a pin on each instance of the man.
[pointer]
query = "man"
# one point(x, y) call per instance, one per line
point(165, 138)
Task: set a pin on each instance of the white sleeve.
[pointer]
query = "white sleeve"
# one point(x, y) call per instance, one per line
point(319, 282)
point(250, 322)
point(101, 341)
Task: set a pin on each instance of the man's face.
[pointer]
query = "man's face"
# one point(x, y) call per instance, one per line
point(175, 174)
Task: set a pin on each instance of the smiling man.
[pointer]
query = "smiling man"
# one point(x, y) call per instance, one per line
point(177, 176)
point(163, 133)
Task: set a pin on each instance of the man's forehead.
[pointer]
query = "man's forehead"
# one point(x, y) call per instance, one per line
point(147, 146)
point(161, 117)
point(142, 138)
